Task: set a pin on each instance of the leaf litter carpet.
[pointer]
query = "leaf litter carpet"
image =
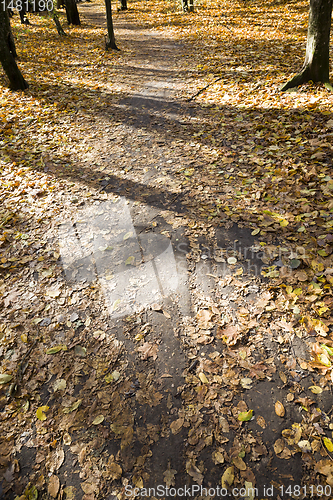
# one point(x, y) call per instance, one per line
point(165, 302)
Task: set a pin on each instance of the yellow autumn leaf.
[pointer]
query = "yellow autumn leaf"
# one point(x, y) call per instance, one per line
point(315, 389)
point(57, 348)
point(130, 261)
point(40, 412)
point(245, 416)
point(228, 477)
point(98, 420)
point(328, 443)
point(203, 378)
point(5, 378)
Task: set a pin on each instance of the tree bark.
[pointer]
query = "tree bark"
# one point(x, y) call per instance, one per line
point(110, 41)
point(123, 5)
point(72, 13)
point(8, 54)
point(316, 63)
point(55, 17)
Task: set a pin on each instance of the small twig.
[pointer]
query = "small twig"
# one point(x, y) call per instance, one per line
point(203, 89)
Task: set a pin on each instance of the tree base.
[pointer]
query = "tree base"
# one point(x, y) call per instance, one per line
point(111, 46)
point(303, 77)
point(21, 84)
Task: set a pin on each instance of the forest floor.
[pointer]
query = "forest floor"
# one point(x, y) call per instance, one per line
point(166, 259)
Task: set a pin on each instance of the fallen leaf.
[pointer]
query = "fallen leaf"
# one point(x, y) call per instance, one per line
point(89, 487)
point(53, 293)
point(328, 443)
point(246, 383)
point(169, 476)
point(5, 378)
point(239, 463)
point(228, 477)
point(148, 350)
point(40, 412)
point(245, 416)
point(203, 378)
point(59, 385)
point(176, 425)
point(53, 486)
point(261, 421)
point(73, 407)
point(315, 389)
point(279, 409)
point(98, 420)
point(279, 446)
point(58, 348)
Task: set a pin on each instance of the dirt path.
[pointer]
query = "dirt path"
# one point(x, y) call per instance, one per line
point(171, 333)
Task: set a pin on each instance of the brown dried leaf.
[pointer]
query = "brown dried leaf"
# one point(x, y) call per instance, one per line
point(53, 486)
point(169, 476)
point(239, 463)
point(230, 335)
point(176, 425)
point(148, 350)
point(279, 446)
point(261, 421)
point(203, 317)
point(56, 459)
point(193, 471)
point(89, 487)
point(279, 409)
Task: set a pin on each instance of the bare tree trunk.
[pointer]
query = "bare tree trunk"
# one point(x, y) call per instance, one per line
point(55, 17)
point(72, 13)
point(23, 16)
point(111, 41)
point(316, 63)
point(191, 6)
point(8, 54)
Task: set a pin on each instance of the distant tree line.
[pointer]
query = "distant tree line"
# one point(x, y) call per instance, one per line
point(315, 67)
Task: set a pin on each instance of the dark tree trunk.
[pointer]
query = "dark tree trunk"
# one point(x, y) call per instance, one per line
point(111, 41)
point(8, 53)
point(60, 4)
point(55, 17)
point(23, 17)
point(72, 13)
point(191, 6)
point(123, 5)
point(316, 64)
